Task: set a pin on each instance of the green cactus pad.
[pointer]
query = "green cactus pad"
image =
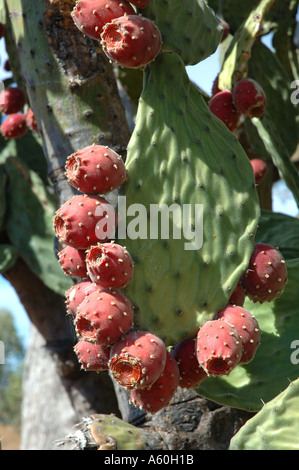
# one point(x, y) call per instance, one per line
point(189, 28)
point(180, 153)
point(275, 427)
point(110, 429)
point(249, 386)
point(239, 50)
point(276, 84)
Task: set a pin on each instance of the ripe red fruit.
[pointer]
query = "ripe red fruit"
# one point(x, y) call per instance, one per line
point(14, 126)
point(160, 393)
point(222, 106)
point(266, 274)
point(92, 357)
point(131, 41)
point(73, 262)
point(191, 373)
point(249, 98)
point(238, 296)
point(84, 221)
point(12, 100)
point(109, 265)
point(247, 328)
point(218, 347)
point(137, 360)
point(77, 293)
point(260, 169)
point(95, 169)
point(104, 317)
point(90, 16)
point(30, 119)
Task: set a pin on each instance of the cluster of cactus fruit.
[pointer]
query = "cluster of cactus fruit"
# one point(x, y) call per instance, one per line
point(103, 315)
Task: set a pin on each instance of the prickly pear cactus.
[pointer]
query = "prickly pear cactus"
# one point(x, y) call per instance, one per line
point(275, 427)
point(181, 156)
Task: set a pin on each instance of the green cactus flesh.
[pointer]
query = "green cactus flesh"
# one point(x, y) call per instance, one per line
point(239, 51)
point(275, 427)
point(189, 28)
point(180, 153)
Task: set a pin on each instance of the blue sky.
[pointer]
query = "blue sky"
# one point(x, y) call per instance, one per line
point(203, 75)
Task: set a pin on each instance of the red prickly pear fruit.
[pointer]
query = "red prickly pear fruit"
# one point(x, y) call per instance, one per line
point(221, 105)
point(104, 317)
point(138, 360)
point(85, 220)
point(226, 30)
point(77, 293)
point(158, 395)
point(90, 16)
point(72, 262)
point(7, 66)
point(140, 3)
point(12, 100)
point(266, 274)
point(218, 347)
point(191, 373)
point(247, 327)
point(249, 98)
point(215, 87)
point(95, 169)
point(238, 296)
point(30, 120)
point(14, 126)
point(260, 169)
point(109, 265)
point(93, 357)
point(131, 41)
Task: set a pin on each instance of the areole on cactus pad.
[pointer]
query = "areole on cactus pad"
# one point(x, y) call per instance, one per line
point(181, 156)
